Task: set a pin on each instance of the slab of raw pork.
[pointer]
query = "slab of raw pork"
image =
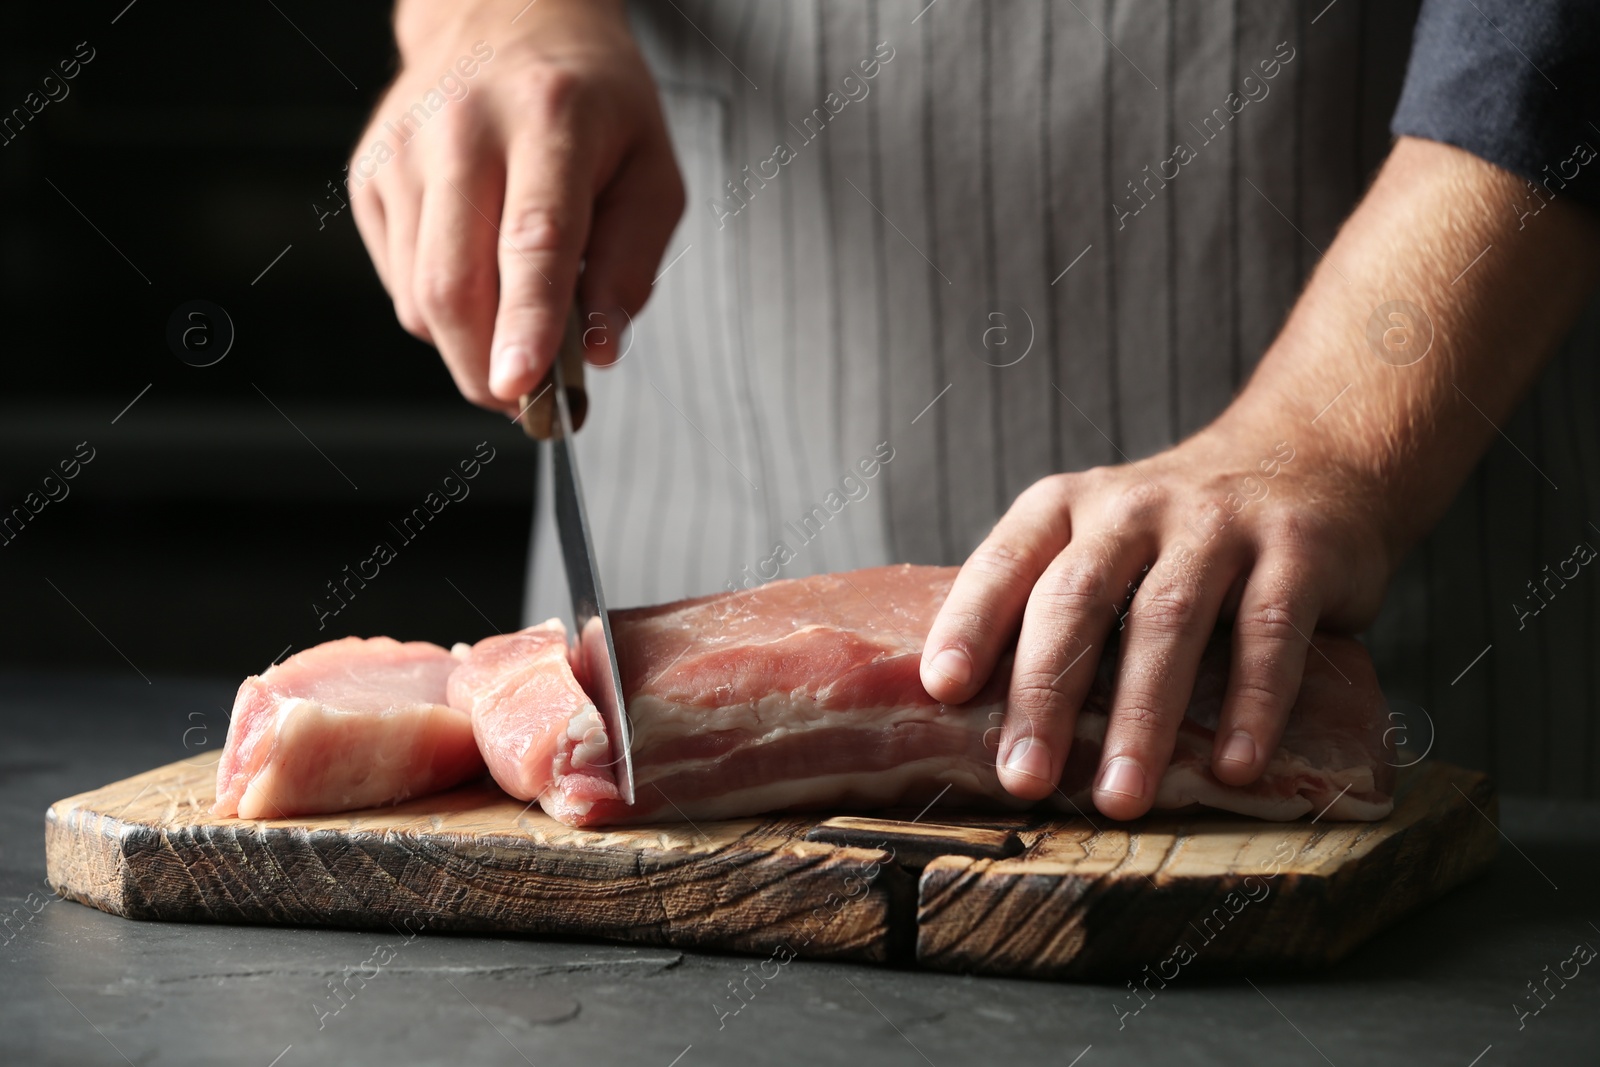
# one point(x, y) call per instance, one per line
point(806, 693)
point(348, 724)
point(539, 732)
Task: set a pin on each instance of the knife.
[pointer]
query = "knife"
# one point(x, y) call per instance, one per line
point(553, 413)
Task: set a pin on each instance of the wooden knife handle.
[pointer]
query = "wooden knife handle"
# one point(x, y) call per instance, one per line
point(538, 418)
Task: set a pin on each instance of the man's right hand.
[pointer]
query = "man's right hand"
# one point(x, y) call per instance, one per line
point(555, 156)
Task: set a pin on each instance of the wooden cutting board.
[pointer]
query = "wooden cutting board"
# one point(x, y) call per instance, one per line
point(1030, 894)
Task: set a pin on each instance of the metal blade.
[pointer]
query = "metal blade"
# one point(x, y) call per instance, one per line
point(588, 602)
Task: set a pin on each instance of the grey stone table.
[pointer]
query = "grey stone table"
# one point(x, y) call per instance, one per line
point(83, 988)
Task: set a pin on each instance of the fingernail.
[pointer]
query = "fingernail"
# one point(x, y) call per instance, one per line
point(1122, 776)
point(1240, 748)
point(507, 365)
point(1029, 759)
point(953, 666)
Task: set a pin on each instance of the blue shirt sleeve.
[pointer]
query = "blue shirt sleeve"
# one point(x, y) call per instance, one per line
point(1515, 82)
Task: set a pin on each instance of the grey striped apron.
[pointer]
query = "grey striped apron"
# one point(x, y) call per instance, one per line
point(935, 252)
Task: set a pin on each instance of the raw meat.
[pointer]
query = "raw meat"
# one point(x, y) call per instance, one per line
point(348, 724)
point(806, 693)
point(535, 725)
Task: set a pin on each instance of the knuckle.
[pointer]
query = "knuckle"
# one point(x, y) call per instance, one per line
point(1292, 529)
point(964, 624)
point(1168, 608)
point(1033, 693)
point(1076, 590)
point(1092, 477)
point(998, 561)
point(1050, 489)
point(1260, 694)
point(1272, 621)
point(448, 293)
point(1138, 503)
point(1139, 718)
point(552, 90)
point(536, 228)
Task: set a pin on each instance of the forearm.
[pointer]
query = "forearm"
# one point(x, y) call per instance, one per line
point(1440, 230)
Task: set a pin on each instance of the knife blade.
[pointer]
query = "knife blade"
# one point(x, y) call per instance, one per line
point(596, 642)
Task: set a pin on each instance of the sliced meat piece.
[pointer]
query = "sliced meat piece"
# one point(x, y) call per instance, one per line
point(534, 723)
point(348, 724)
point(806, 693)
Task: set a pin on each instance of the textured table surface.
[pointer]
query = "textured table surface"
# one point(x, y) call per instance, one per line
point(80, 987)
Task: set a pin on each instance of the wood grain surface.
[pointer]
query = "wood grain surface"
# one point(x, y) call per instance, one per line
point(1031, 895)
point(1204, 893)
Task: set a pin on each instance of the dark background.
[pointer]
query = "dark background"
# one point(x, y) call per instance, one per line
point(196, 142)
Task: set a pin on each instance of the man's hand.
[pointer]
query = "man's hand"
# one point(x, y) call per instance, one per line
point(1158, 550)
point(1289, 512)
point(555, 156)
